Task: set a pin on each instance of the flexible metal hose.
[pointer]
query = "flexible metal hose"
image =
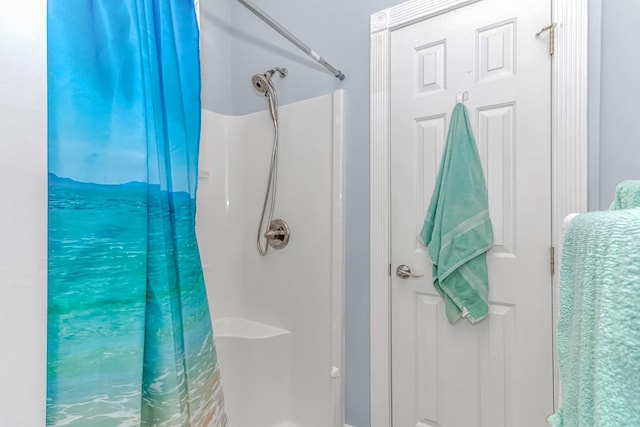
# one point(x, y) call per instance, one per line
point(273, 174)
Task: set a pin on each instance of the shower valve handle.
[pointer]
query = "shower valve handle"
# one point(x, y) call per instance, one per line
point(278, 234)
point(274, 234)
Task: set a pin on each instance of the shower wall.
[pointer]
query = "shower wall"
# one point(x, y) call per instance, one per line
point(298, 289)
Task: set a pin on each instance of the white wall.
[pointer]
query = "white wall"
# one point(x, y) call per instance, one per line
point(23, 213)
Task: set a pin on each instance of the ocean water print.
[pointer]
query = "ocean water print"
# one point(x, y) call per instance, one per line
point(130, 338)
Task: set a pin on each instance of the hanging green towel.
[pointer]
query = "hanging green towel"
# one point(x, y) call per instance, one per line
point(627, 195)
point(599, 325)
point(457, 229)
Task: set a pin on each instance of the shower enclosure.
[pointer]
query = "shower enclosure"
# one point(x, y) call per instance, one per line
point(278, 319)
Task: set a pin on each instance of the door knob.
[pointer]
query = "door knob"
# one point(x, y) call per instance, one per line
point(404, 272)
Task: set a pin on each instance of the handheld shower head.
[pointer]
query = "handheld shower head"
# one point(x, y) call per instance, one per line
point(263, 83)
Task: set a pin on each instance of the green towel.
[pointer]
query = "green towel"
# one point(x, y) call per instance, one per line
point(627, 195)
point(599, 326)
point(457, 229)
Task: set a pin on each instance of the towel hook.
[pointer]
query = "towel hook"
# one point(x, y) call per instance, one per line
point(462, 96)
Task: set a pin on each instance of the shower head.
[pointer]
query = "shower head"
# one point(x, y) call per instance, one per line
point(262, 82)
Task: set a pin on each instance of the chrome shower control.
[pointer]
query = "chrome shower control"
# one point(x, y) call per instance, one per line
point(278, 234)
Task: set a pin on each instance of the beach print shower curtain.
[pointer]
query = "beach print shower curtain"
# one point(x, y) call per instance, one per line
point(130, 341)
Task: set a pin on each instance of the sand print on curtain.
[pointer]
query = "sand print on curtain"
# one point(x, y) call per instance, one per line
point(130, 341)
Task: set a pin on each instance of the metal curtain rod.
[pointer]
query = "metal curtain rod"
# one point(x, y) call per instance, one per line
point(293, 39)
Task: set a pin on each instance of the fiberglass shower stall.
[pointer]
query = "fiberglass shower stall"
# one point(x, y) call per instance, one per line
point(278, 319)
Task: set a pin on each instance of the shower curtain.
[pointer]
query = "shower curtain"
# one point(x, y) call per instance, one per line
point(130, 341)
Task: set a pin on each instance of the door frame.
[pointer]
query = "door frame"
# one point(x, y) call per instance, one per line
point(568, 157)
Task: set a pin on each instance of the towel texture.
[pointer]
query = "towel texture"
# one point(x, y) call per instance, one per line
point(457, 228)
point(599, 325)
point(627, 195)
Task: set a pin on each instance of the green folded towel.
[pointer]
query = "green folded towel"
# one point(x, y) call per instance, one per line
point(457, 228)
point(599, 325)
point(627, 195)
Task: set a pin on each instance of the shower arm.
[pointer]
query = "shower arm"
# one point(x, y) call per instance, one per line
point(293, 39)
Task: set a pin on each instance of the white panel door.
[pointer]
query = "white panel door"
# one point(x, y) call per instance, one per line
point(499, 372)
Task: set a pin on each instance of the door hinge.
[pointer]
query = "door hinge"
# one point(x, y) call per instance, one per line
point(552, 36)
point(552, 260)
point(389, 270)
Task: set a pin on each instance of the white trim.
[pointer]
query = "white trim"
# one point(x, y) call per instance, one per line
point(570, 128)
point(337, 261)
point(379, 232)
point(413, 11)
point(569, 152)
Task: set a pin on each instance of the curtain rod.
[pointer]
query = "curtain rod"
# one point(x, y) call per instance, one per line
point(293, 39)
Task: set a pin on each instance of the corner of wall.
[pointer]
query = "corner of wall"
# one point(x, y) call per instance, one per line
point(595, 63)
